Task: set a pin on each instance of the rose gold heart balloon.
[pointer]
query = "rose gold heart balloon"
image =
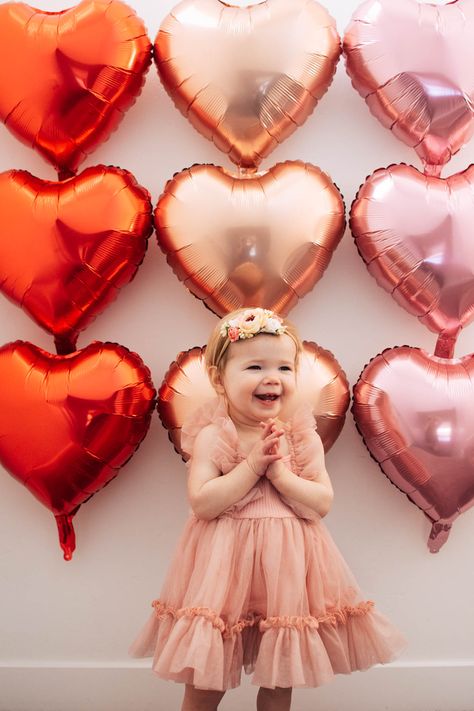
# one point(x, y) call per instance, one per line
point(68, 423)
point(414, 232)
point(66, 248)
point(66, 78)
point(255, 240)
point(321, 382)
point(247, 77)
point(412, 63)
point(415, 413)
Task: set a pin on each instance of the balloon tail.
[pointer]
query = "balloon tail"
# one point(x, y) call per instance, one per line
point(65, 174)
point(445, 344)
point(248, 172)
point(434, 171)
point(438, 535)
point(67, 537)
point(64, 346)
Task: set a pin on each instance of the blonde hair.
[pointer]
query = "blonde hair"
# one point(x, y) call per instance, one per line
point(217, 349)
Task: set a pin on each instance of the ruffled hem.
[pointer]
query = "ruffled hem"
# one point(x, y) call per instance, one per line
point(333, 617)
point(195, 645)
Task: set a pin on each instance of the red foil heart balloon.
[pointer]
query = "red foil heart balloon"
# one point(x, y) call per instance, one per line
point(321, 382)
point(415, 413)
point(414, 232)
point(412, 63)
point(68, 423)
point(247, 77)
point(67, 78)
point(251, 240)
point(67, 248)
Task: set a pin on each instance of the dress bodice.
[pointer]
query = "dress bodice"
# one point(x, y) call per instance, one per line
point(263, 499)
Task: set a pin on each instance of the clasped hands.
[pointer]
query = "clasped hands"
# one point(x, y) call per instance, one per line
point(264, 459)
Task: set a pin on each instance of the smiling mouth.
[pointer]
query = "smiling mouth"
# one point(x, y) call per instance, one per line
point(267, 397)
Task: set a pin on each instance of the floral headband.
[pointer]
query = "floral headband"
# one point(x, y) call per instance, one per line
point(251, 322)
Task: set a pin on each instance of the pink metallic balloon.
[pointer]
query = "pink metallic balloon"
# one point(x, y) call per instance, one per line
point(246, 78)
point(321, 382)
point(67, 78)
point(412, 63)
point(415, 413)
point(260, 239)
point(414, 232)
point(68, 423)
point(67, 248)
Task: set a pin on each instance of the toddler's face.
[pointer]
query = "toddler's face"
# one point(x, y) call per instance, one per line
point(259, 377)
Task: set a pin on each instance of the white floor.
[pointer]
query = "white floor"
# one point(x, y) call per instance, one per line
point(132, 687)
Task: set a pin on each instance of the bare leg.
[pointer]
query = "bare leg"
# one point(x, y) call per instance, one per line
point(201, 699)
point(277, 699)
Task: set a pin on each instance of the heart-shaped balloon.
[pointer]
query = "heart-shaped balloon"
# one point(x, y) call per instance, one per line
point(247, 77)
point(66, 78)
point(321, 382)
point(67, 248)
point(415, 413)
point(412, 63)
point(414, 232)
point(255, 240)
point(68, 423)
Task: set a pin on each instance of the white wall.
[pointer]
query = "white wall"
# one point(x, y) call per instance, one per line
point(65, 627)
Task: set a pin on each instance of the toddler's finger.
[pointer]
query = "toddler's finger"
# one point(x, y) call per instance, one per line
point(273, 436)
point(265, 427)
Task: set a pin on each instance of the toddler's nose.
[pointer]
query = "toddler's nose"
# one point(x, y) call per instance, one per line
point(272, 377)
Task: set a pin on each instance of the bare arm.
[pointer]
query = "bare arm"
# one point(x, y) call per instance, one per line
point(211, 493)
point(314, 490)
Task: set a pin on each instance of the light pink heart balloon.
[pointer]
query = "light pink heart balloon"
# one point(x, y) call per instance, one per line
point(412, 62)
point(415, 233)
point(415, 413)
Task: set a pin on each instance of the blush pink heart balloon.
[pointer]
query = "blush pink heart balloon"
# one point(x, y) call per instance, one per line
point(414, 232)
point(412, 63)
point(415, 413)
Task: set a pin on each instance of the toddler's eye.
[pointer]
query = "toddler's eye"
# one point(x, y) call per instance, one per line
point(286, 368)
point(253, 367)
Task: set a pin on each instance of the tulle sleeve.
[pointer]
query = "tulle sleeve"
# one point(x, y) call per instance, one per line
point(302, 440)
point(208, 413)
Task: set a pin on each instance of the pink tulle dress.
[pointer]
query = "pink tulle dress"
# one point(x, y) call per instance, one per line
point(262, 587)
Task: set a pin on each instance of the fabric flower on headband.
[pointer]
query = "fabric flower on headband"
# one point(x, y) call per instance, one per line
point(251, 322)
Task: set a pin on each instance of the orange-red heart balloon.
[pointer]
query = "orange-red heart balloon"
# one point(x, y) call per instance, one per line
point(66, 78)
point(246, 78)
point(67, 248)
point(68, 423)
point(254, 240)
point(416, 415)
point(321, 382)
point(414, 232)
